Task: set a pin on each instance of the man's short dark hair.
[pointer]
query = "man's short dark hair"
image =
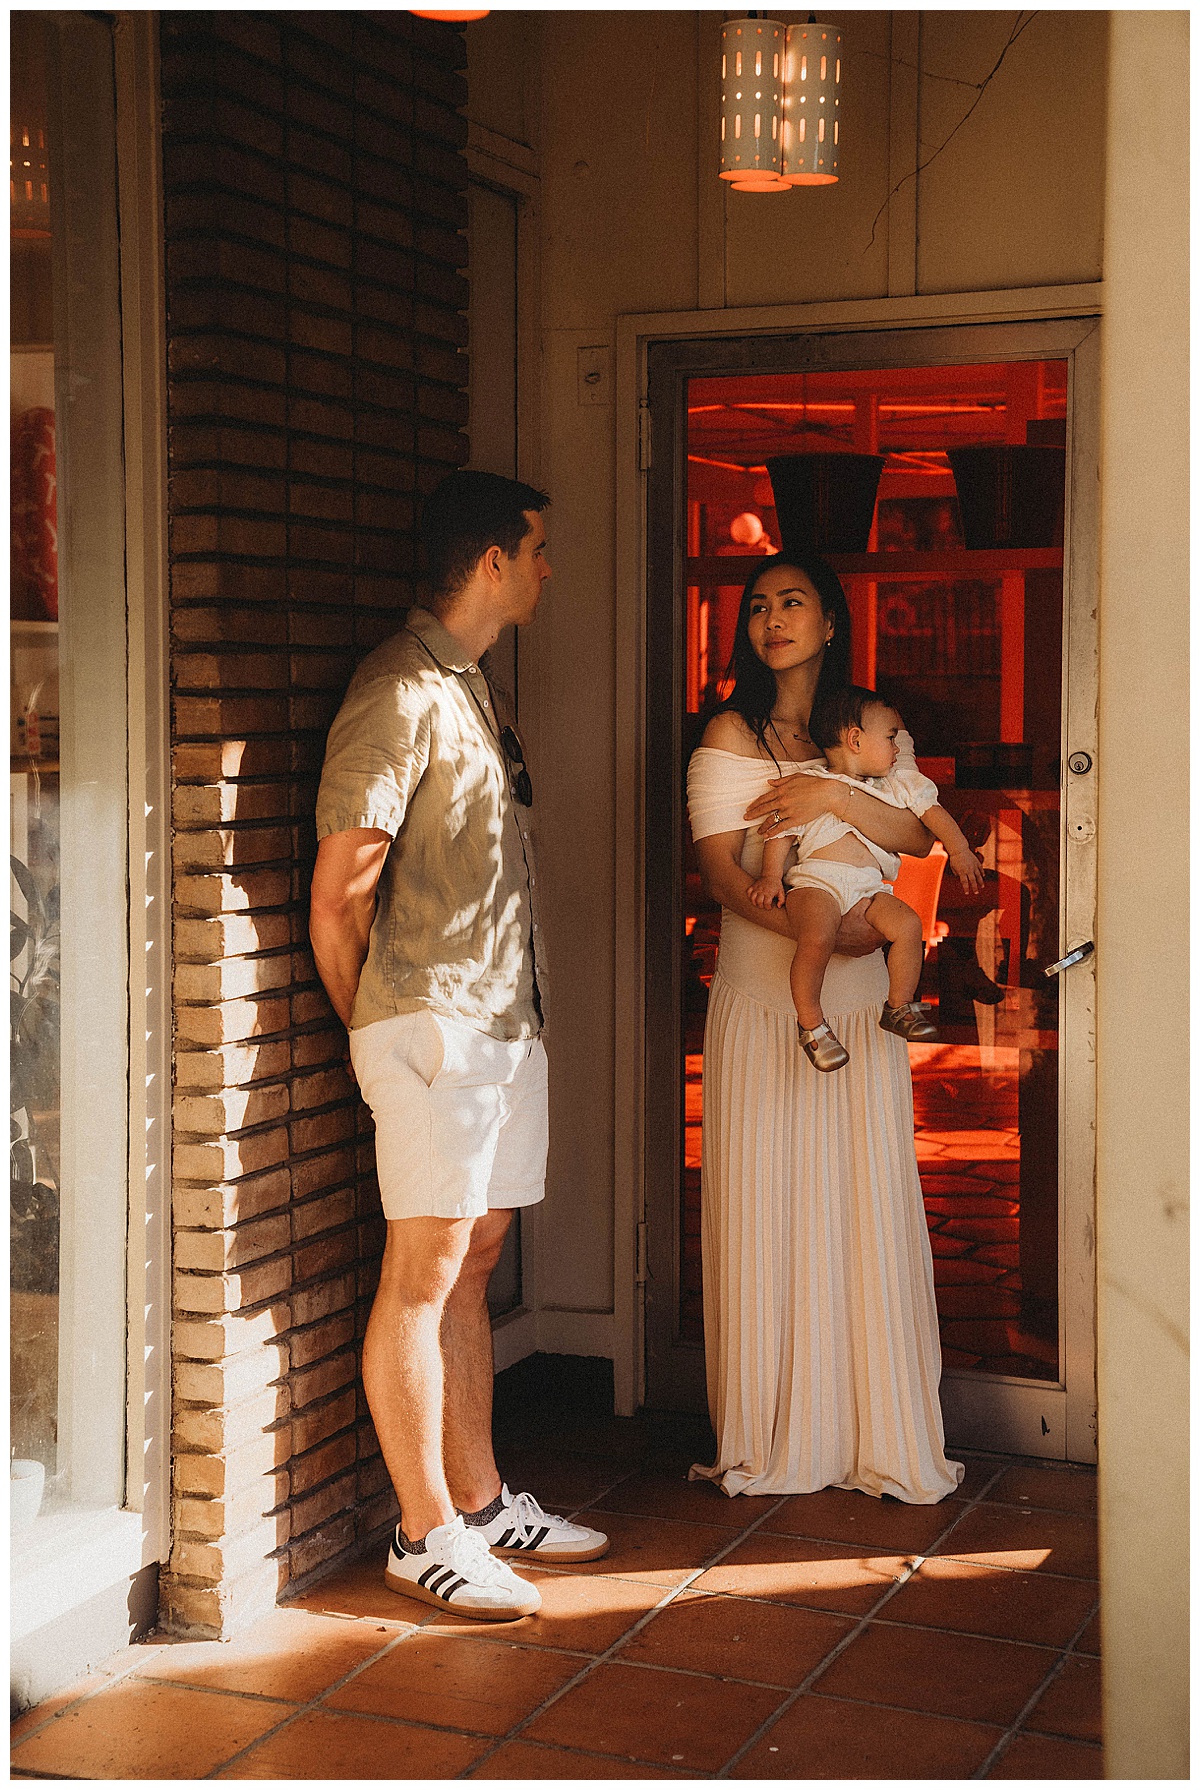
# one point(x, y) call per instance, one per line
point(836, 711)
point(468, 513)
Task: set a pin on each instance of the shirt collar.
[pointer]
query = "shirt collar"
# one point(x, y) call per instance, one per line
point(440, 642)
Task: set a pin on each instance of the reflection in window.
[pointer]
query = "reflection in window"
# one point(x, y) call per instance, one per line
point(34, 766)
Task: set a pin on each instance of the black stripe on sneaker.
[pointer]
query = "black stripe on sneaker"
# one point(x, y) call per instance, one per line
point(440, 1580)
point(506, 1540)
point(447, 1591)
point(430, 1571)
point(538, 1539)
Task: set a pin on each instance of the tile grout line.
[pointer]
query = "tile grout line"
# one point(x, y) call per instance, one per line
point(601, 1659)
point(339, 1684)
point(1005, 1741)
point(299, 1709)
point(153, 1652)
point(835, 1652)
point(117, 1677)
point(135, 1669)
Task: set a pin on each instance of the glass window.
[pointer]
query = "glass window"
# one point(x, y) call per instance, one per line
point(69, 825)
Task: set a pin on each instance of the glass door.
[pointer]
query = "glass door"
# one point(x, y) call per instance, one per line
point(937, 490)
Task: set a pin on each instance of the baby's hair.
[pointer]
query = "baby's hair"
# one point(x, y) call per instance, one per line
point(835, 712)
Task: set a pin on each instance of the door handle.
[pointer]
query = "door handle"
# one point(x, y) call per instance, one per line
point(1079, 955)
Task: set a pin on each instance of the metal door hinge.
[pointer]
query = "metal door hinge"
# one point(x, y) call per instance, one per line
point(643, 1271)
point(644, 455)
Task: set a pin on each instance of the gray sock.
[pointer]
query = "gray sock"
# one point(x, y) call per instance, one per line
point(408, 1547)
point(479, 1519)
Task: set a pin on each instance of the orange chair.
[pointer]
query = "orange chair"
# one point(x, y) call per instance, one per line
point(920, 884)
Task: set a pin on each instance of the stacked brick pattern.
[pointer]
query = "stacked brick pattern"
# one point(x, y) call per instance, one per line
point(315, 199)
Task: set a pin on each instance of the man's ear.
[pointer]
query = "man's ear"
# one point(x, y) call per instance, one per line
point(491, 563)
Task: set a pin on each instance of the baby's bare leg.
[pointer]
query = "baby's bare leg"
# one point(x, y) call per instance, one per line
point(815, 917)
point(901, 927)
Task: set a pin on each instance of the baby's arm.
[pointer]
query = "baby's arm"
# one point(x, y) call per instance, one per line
point(768, 890)
point(916, 792)
point(963, 861)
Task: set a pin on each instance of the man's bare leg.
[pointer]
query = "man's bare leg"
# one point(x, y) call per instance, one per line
point(469, 1369)
point(402, 1362)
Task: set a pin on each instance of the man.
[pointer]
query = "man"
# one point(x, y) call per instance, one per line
point(424, 935)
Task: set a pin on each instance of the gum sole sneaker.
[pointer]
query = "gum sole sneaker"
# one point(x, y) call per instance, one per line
point(910, 1021)
point(523, 1527)
point(456, 1572)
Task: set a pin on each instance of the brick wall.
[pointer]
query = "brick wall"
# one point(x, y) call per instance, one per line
point(315, 191)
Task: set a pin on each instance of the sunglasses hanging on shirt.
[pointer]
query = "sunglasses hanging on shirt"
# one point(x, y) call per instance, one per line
point(522, 788)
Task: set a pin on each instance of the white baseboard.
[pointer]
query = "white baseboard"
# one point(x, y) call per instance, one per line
point(575, 1333)
point(522, 1333)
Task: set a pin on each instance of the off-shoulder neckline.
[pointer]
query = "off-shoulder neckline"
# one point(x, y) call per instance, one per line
point(721, 752)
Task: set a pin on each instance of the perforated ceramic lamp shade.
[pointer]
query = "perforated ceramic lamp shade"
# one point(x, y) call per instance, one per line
point(813, 81)
point(752, 52)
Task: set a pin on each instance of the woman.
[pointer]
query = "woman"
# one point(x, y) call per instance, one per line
point(820, 1326)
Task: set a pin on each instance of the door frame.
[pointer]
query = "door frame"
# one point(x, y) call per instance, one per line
point(510, 169)
point(645, 1233)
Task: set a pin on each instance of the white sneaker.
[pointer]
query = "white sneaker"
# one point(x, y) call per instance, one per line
point(457, 1573)
point(521, 1526)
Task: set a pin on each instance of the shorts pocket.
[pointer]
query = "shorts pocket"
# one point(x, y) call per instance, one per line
point(426, 1046)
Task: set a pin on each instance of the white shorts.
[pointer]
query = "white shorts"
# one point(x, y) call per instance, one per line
point(461, 1120)
point(847, 883)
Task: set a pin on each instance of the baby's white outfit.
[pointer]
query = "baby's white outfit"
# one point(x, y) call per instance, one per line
point(903, 787)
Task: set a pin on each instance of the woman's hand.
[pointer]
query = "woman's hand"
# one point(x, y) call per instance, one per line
point(856, 937)
point(797, 800)
point(793, 801)
point(719, 857)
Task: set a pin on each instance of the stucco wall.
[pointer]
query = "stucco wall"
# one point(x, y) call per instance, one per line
point(1142, 919)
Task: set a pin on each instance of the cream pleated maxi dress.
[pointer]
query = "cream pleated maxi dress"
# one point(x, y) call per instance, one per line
point(820, 1327)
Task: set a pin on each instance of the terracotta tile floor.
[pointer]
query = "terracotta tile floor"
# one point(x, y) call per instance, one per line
point(825, 1636)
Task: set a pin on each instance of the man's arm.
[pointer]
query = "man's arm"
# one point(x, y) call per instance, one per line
point(345, 878)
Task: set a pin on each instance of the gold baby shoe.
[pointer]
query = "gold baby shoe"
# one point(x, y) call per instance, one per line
point(823, 1050)
point(909, 1021)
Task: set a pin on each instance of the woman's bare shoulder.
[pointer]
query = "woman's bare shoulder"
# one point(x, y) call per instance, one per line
point(727, 732)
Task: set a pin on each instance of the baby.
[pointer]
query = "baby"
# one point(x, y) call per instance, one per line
point(862, 738)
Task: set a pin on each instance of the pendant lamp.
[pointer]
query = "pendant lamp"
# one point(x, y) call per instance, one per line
point(449, 18)
point(812, 94)
point(752, 55)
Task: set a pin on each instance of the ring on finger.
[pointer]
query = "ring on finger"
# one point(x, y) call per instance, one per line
point(776, 817)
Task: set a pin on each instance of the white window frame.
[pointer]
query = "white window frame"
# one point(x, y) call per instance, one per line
point(77, 1555)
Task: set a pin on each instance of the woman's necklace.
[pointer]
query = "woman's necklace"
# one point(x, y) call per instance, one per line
point(793, 730)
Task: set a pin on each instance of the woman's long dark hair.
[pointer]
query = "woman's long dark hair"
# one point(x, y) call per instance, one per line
point(753, 693)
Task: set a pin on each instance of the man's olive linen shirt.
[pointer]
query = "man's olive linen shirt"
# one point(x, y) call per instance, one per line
point(414, 751)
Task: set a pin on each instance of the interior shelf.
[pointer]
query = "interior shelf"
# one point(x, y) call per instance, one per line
point(988, 562)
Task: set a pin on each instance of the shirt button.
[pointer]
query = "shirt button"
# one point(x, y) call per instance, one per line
point(486, 703)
